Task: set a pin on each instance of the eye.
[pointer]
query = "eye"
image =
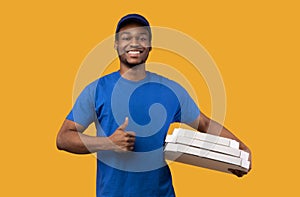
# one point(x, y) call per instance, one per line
point(143, 38)
point(125, 38)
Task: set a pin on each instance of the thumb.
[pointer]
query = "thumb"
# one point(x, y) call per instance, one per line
point(124, 125)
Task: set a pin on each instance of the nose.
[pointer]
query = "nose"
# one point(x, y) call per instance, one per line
point(134, 42)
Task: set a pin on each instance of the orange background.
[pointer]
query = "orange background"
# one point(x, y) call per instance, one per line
point(255, 45)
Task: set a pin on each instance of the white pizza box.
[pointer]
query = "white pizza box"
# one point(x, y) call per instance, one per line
point(206, 137)
point(177, 139)
point(204, 158)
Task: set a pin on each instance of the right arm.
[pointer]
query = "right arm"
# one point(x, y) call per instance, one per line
point(71, 139)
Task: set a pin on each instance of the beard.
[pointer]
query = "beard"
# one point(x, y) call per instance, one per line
point(131, 65)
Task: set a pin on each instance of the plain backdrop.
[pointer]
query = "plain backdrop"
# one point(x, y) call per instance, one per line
point(254, 43)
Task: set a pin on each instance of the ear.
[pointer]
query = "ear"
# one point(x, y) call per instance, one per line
point(116, 45)
point(150, 45)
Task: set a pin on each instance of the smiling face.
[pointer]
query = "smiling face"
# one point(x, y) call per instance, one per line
point(133, 45)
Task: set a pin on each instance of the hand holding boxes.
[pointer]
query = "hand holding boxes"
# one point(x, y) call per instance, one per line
point(206, 150)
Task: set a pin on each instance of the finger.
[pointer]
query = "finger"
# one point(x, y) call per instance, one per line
point(130, 146)
point(231, 170)
point(130, 140)
point(124, 125)
point(130, 133)
point(240, 173)
point(126, 148)
point(236, 172)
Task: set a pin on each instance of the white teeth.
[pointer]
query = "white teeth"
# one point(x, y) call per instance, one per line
point(134, 52)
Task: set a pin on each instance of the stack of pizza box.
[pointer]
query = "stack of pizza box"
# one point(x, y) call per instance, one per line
point(205, 150)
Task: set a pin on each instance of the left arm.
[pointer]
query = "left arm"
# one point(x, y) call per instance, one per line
point(206, 125)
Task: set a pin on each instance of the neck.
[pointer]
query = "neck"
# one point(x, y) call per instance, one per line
point(135, 73)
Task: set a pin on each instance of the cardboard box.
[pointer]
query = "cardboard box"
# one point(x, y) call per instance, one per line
point(177, 139)
point(205, 150)
point(204, 158)
point(206, 137)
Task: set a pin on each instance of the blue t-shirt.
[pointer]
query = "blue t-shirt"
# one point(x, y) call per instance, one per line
point(151, 105)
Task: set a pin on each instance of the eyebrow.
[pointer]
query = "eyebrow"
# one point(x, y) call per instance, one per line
point(143, 33)
point(124, 32)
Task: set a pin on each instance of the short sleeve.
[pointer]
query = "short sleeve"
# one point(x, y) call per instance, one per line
point(83, 111)
point(187, 111)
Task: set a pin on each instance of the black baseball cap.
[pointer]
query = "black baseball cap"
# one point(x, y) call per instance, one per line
point(134, 18)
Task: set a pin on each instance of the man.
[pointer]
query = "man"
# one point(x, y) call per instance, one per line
point(132, 110)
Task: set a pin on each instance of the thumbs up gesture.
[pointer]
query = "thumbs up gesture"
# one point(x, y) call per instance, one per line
point(122, 140)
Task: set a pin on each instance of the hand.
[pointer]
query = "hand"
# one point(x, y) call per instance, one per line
point(121, 140)
point(236, 172)
point(239, 173)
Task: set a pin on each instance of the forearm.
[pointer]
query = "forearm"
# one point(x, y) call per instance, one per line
point(206, 125)
point(79, 143)
point(216, 129)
